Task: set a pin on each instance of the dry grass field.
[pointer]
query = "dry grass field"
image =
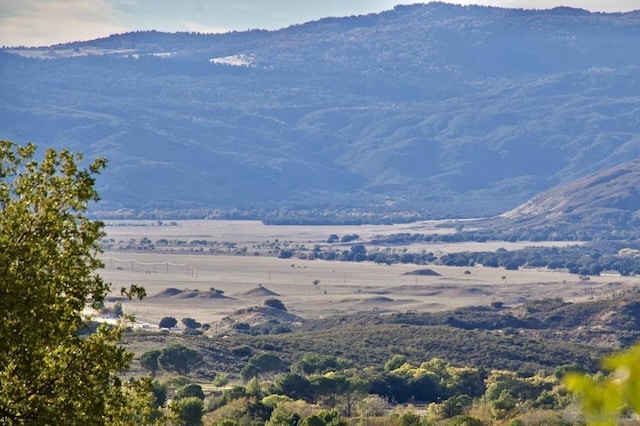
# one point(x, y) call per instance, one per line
point(343, 287)
point(247, 231)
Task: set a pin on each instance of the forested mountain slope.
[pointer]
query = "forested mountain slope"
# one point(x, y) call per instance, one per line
point(437, 109)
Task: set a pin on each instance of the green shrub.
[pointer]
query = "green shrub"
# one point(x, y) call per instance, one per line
point(188, 391)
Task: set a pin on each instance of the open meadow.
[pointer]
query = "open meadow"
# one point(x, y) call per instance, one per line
point(317, 288)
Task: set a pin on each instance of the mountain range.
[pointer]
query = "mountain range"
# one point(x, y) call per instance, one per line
point(431, 110)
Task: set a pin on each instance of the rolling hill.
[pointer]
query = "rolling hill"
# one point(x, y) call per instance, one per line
point(606, 200)
point(429, 110)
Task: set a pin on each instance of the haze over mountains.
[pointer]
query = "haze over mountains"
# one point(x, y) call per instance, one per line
point(441, 110)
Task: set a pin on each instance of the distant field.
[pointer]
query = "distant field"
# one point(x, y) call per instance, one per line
point(248, 231)
point(343, 288)
point(251, 232)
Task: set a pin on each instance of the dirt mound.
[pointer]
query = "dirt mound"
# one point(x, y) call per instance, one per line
point(423, 272)
point(187, 294)
point(259, 291)
point(169, 292)
point(175, 293)
point(213, 294)
point(259, 316)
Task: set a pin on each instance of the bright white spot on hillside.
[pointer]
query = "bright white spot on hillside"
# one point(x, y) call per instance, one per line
point(240, 60)
point(164, 54)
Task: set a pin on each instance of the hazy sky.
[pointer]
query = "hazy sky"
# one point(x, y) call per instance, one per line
point(45, 22)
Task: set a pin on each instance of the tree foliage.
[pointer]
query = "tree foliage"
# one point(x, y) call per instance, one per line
point(168, 322)
point(187, 411)
point(294, 386)
point(604, 399)
point(179, 358)
point(190, 323)
point(395, 362)
point(266, 362)
point(317, 363)
point(149, 360)
point(283, 416)
point(48, 255)
point(249, 372)
point(324, 418)
point(275, 303)
point(190, 390)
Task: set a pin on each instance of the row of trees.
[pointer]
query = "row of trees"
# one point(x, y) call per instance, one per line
point(188, 323)
point(575, 259)
point(582, 260)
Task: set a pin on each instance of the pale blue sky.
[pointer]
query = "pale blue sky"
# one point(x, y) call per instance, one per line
point(45, 22)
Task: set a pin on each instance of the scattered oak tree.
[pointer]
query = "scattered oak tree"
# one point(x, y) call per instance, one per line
point(49, 373)
point(275, 303)
point(149, 360)
point(179, 358)
point(190, 323)
point(168, 322)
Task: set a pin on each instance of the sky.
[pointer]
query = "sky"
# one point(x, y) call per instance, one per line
point(47, 22)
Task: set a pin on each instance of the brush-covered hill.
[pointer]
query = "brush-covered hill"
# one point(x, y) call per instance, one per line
point(601, 202)
point(539, 334)
point(429, 110)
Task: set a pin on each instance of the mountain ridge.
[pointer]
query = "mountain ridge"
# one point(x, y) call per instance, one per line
point(436, 110)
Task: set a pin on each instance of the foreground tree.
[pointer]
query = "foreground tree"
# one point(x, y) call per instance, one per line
point(606, 400)
point(49, 374)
